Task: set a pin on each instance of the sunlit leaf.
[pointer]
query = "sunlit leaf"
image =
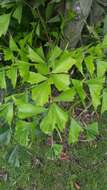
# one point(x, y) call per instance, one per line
point(66, 96)
point(104, 101)
point(35, 78)
point(74, 132)
point(2, 80)
point(23, 70)
point(35, 56)
point(92, 130)
point(78, 85)
point(95, 87)
point(41, 93)
point(4, 23)
point(89, 61)
point(29, 110)
point(101, 68)
point(55, 118)
point(54, 53)
point(61, 81)
point(12, 44)
point(12, 75)
point(64, 63)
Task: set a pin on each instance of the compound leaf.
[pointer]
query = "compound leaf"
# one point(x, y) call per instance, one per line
point(55, 118)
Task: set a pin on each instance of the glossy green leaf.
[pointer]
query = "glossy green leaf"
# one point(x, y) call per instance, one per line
point(64, 63)
point(12, 75)
point(35, 78)
point(78, 85)
point(74, 132)
point(4, 23)
point(61, 81)
point(55, 118)
point(29, 110)
point(66, 96)
point(41, 93)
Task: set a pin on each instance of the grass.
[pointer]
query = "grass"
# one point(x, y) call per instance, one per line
point(86, 170)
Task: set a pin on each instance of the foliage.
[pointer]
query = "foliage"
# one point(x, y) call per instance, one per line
point(42, 84)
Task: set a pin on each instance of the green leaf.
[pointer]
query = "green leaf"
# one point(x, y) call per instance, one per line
point(4, 23)
point(74, 131)
point(54, 53)
point(104, 44)
point(2, 80)
point(57, 148)
point(56, 118)
point(78, 85)
point(23, 132)
point(104, 101)
point(54, 19)
point(95, 87)
point(5, 137)
point(14, 157)
point(40, 52)
point(66, 96)
point(89, 61)
point(64, 63)
point(24, 70)
point(9, 113)
point(18, 12)
point(42, 68)
point(12, 44)
point(35, 56)
point(79, 56)
point(8, 54)
point(101, 68)
point(61, 81)
point(29, 110)
point(41, 93)
point(92, 131)
point(12, 75)
point(20, 98)
point(35, 78)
